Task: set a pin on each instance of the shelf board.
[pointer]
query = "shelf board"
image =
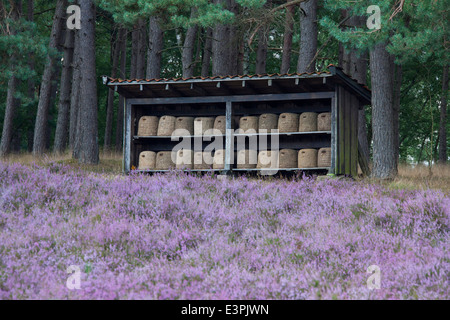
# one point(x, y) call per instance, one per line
point(236, 135)
point(237, 170)
point(283, 169)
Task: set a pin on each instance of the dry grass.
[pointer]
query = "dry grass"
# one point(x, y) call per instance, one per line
point(409, 177)
point(421, 177)
point(110, 162)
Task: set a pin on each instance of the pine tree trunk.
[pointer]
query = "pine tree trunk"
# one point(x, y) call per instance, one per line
point(11, 103)
point(7, 133)
point(110, 103)
point(75, 96)
point(287, 41)
point(261, 52)
point(155, 47)
point(187, 56)
point(221, 48)
point(384, 164)
point(233, 40)
point(308, 37)
point(62, 125)
point(443, 121)
point(88, 89)
point(120, 108)
point(396, 108)
point(206, 58)
point(31, 83)
point(41, 126)
point(141, 47)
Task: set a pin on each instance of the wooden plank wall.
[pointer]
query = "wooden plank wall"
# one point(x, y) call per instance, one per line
point(347, 133)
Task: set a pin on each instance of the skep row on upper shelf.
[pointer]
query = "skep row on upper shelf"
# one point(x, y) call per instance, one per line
point(285, 123)
point(246, 159)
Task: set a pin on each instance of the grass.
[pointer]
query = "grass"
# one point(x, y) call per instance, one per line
point(409, 177)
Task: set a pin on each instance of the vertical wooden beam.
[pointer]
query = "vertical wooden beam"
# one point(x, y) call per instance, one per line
point(229, 137)
point(127, 137)
point(355, 108)
point(348, 141)
point(333, 131)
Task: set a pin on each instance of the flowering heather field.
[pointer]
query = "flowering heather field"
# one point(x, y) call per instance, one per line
point(177, 236)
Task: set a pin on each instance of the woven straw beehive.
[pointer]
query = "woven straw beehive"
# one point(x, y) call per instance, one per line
point(202, 124)
point(267, 159)
point(147, 160)
point(219, 159)
point(220, 124)
point(248, 123)
point(247, 159)
point(164, 160)
point(185, 159)
point(308, 122)
point(166, 126)
point(148, 126)
point(185, 123)
point(288, 122)
point(268, 121)
point(203, 160)
point(324, 157)
point(324, 122)
point(307, 158)
point(288, 158)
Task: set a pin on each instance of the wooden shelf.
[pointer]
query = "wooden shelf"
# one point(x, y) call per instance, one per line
point(237, 135)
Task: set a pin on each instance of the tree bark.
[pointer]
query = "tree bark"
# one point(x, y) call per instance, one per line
point(287, 41)
point(40, 129)
point(396, 108)
point(88, 89)
point(384, 164)
point(110, 103)
point(443, 120)
point(10, 110)
point(155, 47)
point(122, 74)
point(187, 56)
point(75, 95)
point(207, 51)
point(142, 45)
point(8, 122)
point(308, 37)
point(261, 52)
point(221, 48)
point(62, 125)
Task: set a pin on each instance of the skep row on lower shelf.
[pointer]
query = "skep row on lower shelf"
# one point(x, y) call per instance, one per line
point(285, 122)
point(246, 159)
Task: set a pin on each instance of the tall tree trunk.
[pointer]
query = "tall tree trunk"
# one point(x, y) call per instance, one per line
point(206, 58)
point(62, 125)
point(384, 164)
point(287, 41)
point(40, 129)
point(398, 73)
point(75, 96)
point(142, 45)
point(187, 56)
point(261, 52)
point(120, 108)
point(233, 42)
point(443, 121)
point(110, 103)
point(155, 47)
point(88, 92)
point(8, 122)
point(31, 83)
point(7, 133)
point(221, 48)
point(308, 37)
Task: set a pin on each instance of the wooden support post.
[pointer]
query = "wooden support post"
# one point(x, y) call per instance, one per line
point(127, 138)
point(363, 161)
point(229, 145)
